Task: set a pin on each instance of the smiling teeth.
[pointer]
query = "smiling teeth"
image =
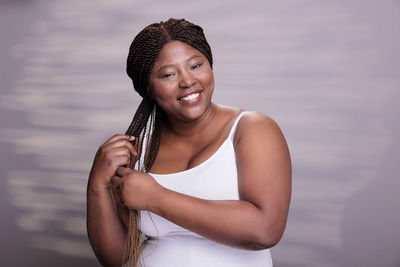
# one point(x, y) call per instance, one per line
point(190, 97)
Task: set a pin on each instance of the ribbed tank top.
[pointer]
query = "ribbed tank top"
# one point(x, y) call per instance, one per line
point(168, 244)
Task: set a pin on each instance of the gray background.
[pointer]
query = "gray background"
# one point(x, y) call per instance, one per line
point(327, 71)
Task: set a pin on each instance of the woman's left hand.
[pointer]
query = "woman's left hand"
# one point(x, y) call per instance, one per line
point(137, 190)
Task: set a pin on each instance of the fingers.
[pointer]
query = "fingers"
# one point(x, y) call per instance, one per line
point(121, 151)
point(120, 140)
point(121, 171)
point(121, 161)
point(115, 152)
point(124, 158)
point(120, 136)
point(119, 145)
point(124, 143)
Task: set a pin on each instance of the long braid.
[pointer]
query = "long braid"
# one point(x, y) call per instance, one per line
point(147, 122)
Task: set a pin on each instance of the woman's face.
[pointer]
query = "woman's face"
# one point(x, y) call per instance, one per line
point(182, 82)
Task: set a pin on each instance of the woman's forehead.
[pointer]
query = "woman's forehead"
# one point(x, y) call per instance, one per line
point(176, 52)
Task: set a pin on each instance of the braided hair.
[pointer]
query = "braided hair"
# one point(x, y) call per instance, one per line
point(146, 123)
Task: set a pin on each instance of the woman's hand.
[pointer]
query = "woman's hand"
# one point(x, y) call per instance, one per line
point(137, 190)
point(106, 216)
point(117, 151)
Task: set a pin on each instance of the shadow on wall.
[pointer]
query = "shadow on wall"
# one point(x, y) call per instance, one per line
point(373, 213)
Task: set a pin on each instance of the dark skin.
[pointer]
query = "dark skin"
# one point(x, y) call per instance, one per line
point(182, 83)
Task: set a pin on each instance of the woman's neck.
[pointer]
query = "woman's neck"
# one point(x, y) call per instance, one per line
point(192, 128)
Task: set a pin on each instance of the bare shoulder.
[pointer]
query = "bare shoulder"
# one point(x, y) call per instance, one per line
point(260, 145)
point(256, 125)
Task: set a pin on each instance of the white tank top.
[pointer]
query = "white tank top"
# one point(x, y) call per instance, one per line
point(170, 245)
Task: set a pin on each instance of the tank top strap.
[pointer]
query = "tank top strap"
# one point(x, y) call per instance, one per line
point(234, 125)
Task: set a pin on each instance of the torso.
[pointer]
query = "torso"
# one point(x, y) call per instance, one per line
point(179, 153)
point(212, 177)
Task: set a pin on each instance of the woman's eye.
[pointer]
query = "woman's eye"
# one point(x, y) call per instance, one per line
point(166, 75)
point(195, 66)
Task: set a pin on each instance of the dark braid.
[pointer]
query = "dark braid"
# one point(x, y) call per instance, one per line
point(148, 119)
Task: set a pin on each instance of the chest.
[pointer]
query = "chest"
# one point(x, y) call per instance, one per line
point(182, 155)
point(214, 179)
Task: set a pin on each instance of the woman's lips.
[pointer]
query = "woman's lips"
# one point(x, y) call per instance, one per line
point(191, 98)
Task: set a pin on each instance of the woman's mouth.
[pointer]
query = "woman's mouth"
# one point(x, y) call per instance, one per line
point(191, 98)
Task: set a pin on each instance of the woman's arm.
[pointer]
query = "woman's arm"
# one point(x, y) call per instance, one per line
point(105, 230)
point(257, 220)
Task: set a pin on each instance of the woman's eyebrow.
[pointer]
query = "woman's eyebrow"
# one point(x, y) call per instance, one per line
point(192, 57)
point(165, 66)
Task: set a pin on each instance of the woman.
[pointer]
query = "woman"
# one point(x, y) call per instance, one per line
point(211, 184)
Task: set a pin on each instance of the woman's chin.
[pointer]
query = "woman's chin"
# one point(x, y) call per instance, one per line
point(193, 114)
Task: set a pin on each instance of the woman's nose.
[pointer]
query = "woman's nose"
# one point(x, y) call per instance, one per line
point(186, 79)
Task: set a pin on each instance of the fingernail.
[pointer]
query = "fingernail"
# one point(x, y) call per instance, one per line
point(131, 138)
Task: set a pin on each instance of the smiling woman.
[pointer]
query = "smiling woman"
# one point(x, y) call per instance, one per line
point(193, 183)
point(182, 81)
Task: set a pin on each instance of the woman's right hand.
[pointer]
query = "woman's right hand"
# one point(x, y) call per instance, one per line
point(117, 151)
